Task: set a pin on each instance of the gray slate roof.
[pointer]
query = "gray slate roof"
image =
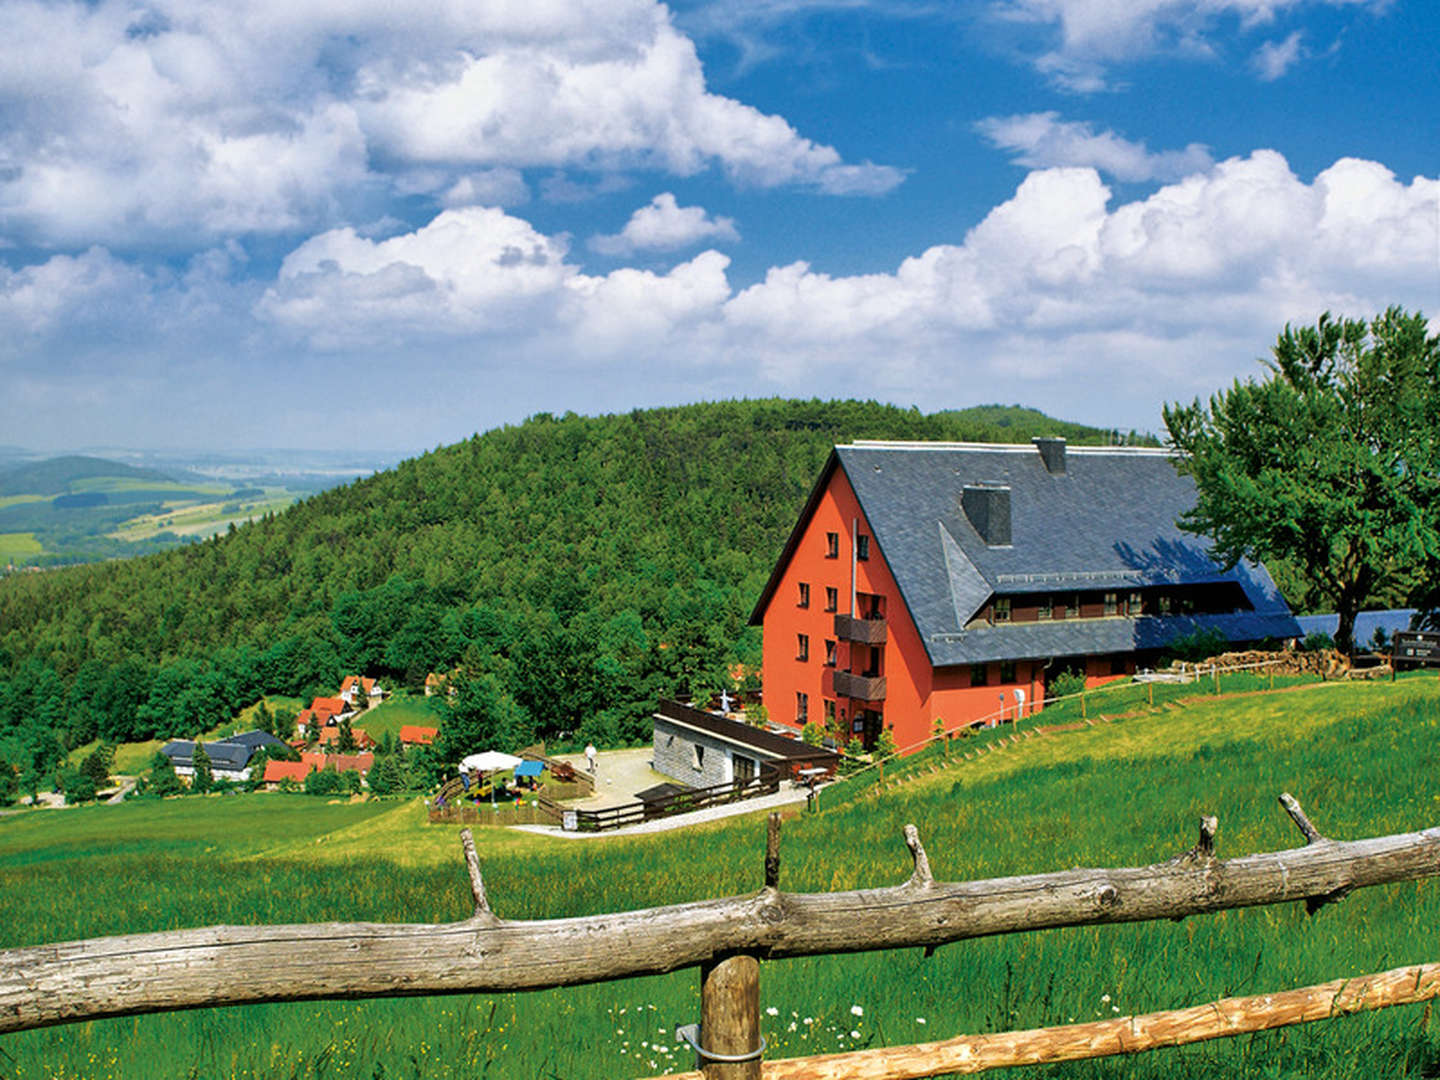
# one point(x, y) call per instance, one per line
point(1107, 522)
point(230, 754)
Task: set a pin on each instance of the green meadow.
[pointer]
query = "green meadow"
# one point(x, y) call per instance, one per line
point(392, 715)
point(19, 544)
point(1361, 759)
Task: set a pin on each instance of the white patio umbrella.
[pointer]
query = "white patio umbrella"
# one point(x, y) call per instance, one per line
point(489, 761)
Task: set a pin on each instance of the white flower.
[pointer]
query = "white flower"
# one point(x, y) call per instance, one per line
point(772, 1011)
point(856, 1010)
point(854, 1034)
point(808, 1020)
point(919, 1019)
point(1105, 999)
point(792, 1026)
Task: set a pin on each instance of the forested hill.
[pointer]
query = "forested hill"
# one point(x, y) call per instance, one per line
point(576, 568)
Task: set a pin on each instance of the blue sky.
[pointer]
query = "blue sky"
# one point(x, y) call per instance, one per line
point(366, 224)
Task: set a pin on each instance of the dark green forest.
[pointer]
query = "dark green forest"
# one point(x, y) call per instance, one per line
point(574, 569)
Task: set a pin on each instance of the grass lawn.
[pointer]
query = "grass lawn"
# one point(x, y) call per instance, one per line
point(19, 544)
point(1362, 760)
point(394, 714)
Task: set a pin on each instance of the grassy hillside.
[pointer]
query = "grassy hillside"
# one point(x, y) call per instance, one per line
point(576, 567)
point(1361, 759)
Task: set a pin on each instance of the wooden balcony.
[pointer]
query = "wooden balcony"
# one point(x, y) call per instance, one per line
point(863, 631)
point(861, 687)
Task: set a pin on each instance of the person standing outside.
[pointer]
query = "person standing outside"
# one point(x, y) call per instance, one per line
point(590, 757)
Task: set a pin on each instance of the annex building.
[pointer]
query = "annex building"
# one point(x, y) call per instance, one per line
point(954, 581)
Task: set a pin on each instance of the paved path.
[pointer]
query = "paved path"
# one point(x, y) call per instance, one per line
point(127, 785)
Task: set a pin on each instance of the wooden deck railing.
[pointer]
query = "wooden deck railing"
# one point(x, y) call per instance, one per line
point(74, 981)
point(765, 782)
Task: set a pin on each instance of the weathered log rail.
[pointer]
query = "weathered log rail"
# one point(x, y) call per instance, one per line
point(1224, 1019)
point(232, 965)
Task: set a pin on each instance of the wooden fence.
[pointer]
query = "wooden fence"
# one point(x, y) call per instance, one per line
point(765, 782)
point(726, 938)
point(536, 810)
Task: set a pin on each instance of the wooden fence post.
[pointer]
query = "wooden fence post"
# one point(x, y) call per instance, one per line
point(1150, 692)
point(730, 1016)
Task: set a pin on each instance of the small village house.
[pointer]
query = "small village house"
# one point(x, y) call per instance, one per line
point(703, 749)
point(323, 712)
point(229, 757)
point(416, 735)
point(360, 692)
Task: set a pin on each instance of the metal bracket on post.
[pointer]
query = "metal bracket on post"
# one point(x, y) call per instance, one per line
point(690, 1033)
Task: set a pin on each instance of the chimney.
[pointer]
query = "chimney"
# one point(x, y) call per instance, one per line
point(1052, 452)
point(987, 506)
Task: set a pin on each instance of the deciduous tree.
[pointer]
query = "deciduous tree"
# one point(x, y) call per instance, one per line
point(1331, 462)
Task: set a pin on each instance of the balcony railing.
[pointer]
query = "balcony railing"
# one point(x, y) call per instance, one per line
point(864, 631)
point(862, 687)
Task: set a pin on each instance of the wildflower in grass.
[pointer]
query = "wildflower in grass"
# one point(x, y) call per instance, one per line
point(809, 1020)
point(856, 1010)
point(772, 1011)
point(1105, 999)
point(919, 1019)
point(854, 1034)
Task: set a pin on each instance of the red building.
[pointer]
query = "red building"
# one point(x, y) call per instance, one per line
point(952, 581)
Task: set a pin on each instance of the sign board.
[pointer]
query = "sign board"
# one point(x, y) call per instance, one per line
point(1419, 647)
point(569, 821)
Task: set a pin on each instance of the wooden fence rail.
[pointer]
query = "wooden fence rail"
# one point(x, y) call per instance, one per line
point(766, 782)
point(967, 1054)
point(232, 965)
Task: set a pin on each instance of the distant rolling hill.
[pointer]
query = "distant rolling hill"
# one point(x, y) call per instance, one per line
point(57, 476)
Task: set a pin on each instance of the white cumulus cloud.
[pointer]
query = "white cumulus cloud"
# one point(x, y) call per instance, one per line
point(177, 123)
point(1161, 296)
point(477, 272)
point(1274, 58)
point(1042, 140)
point(663, 225)
point(1085, 39)
point(1061, 296)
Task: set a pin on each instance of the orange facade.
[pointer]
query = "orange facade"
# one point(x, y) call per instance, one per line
point(816, 669)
